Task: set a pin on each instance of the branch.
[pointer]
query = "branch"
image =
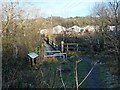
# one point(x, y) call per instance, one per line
point(76, 77)
point(62, 78)
point(87, 75)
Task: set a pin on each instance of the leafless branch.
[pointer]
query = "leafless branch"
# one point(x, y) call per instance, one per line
point(76, 74)
point(62, 78)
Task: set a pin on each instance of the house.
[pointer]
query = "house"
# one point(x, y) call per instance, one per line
point(43, 31)
point(89, 29)
point(67, 32)
point(111, 28)
point(76, 28)
point(58, 29)
point(46, 32)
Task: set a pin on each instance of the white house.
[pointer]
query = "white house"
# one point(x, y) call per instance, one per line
point(44, 31)
point(111, 28)
point(76, 28)
point(58, 29)
point(89, 29)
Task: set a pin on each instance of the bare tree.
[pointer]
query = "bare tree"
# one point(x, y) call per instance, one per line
point(114, 6)
point(108, 14)
point(20, 34)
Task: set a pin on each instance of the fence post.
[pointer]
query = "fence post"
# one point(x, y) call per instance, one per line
point(77, 47)
point(62, 46)
point(67, 47)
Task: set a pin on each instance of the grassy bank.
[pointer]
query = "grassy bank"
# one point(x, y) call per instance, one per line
point(48, 75)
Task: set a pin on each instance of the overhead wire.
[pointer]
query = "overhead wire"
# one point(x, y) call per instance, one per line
point(69, 6)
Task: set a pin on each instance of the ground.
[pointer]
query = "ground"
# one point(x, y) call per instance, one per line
point(93, 81)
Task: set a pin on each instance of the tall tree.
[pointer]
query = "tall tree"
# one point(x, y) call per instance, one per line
point(108, 14)
point(114, 6)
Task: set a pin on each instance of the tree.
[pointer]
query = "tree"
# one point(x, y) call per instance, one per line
point(108, 14)
point(20, 36)
point(114, 6)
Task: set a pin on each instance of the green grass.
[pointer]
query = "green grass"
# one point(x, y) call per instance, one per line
point(47, 75)
point(110, 65)
point(68, 69)
point(51, 77)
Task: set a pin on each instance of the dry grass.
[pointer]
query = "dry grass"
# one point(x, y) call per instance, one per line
point(51, 59)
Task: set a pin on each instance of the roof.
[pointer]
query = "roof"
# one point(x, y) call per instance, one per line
point(33, 55)
point(57, 29)
point(43, 31)
point(75, 28)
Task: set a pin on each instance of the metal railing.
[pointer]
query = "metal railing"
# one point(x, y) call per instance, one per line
point(55, 54)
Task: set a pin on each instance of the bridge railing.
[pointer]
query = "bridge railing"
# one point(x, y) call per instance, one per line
point(55, 54)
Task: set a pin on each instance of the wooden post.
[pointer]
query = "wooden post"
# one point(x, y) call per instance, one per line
point(77, 47)
point(42, 51)
point(67, 47)
point(31, 62)
point(35, 61)
point(62, 46)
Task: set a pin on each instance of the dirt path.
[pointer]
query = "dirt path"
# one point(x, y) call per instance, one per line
point(94, 79)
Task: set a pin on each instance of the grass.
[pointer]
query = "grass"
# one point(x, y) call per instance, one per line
point(51, 77)
point(109, 65)
point(47, 75)
point(68, 69)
